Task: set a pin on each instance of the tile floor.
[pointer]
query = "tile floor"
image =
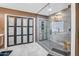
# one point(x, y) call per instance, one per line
point(32, 49)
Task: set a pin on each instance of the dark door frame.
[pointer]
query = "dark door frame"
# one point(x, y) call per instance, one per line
point(15, 42)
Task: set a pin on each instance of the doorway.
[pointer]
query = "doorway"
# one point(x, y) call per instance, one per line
point(19, 30)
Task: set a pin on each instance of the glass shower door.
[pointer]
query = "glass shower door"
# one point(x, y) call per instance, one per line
point(60, 34)
point(43, 30)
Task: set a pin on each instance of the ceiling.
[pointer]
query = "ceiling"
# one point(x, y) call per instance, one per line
point(38, 8)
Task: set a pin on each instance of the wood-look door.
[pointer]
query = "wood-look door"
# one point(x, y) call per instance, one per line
point(19, 30)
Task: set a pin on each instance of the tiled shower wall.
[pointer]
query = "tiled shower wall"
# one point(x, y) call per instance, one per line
point(61, 36)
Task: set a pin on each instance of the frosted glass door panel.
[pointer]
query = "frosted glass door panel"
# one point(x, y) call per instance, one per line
point(30, 30)
point(11, 30)
point(24, 30)
point(25, 21)
point(40, 30)
point(30, 38)
point(18, 21)
point(30, 22)
point(24, 39)
point(40, 37)
point(11, 40)
point(18, 30)
point(11, 21)
point(44, 35)
point(18, 39)
point(45, 29)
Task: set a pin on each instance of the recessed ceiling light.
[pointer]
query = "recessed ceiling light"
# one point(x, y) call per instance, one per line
point(59, 13)
point(49, 9)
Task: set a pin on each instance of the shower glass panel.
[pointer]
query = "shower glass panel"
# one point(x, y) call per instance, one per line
point(43, 30)
point(55, 33)
point(40, 32)
point(60, 37)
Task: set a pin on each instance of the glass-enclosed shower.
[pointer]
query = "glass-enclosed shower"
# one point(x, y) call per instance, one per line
point(54, 33)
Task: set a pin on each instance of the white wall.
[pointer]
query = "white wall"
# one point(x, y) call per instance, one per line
point(73, 29)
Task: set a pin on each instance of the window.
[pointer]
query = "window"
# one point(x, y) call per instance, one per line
point(58, 26)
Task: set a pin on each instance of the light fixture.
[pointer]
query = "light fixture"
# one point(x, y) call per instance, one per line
point(59, 13)
point(58, 16)
point(49, 9)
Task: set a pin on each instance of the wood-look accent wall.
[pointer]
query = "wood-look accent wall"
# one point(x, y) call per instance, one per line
point(12, 12)
point(77, 31)
point(1, 23)
point(1, 29)
point(15, 12)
